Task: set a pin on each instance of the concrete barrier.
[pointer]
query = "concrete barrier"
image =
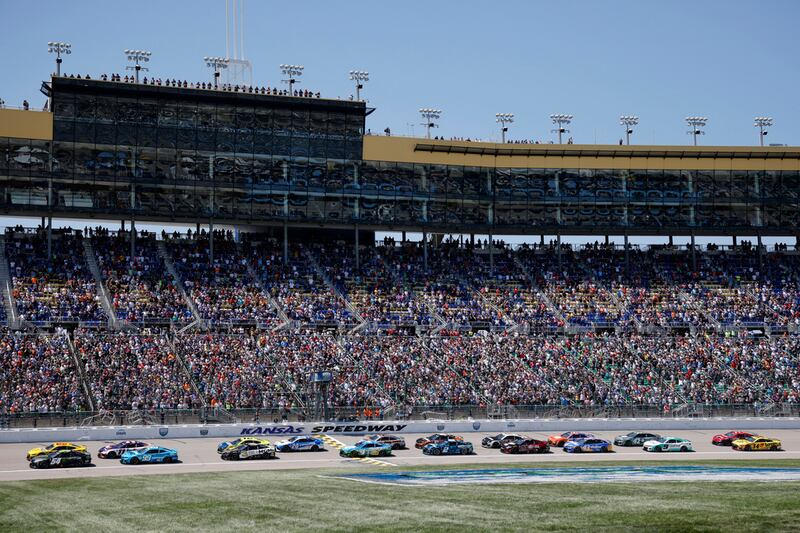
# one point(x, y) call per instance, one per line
point(280, 431)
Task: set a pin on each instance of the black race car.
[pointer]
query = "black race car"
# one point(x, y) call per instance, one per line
point(635, 438)
point(61, 459)
point(497, 441)
point(249, 450)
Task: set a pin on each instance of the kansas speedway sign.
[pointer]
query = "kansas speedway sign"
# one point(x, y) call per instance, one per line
point(299, 430)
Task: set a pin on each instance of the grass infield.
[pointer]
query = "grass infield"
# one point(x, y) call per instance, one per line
point(294, 500)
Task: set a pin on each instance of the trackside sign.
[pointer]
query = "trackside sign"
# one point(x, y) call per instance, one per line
point(294, 430)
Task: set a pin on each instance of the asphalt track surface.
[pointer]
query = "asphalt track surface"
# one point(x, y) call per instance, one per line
point(200, 455)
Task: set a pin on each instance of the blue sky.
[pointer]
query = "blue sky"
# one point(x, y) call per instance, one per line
point(728, 60)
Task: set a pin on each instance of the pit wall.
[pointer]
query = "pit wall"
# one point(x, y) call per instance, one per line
point(280, 431)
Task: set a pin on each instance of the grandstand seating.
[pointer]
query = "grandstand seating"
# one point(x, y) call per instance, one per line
point(598, 326)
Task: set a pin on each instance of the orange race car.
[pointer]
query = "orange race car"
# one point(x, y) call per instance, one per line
point(561, 440)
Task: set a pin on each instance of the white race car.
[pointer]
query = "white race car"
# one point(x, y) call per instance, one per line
point(668, 444)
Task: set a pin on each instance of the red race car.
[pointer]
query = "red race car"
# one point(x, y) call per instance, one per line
point(726, 439)
point(525, 446)
point(436, 438)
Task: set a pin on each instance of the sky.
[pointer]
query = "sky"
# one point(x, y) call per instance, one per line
point(729, 60)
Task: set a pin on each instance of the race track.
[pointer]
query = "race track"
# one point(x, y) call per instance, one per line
point(199, 455)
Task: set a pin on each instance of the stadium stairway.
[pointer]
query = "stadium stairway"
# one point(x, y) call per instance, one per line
point(332, 286)
point(167, 258)
point(79, 370)
point(5, 287)
point(285, 322)
point(91, 262)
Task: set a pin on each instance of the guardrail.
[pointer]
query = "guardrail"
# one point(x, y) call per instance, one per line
point(419, 412)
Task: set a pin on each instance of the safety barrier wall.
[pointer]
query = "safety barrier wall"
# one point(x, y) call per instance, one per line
point(276, 431)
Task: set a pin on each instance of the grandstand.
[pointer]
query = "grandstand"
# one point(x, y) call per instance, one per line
point(280, 273)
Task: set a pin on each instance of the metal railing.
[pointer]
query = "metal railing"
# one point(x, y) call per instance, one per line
point(417, 412)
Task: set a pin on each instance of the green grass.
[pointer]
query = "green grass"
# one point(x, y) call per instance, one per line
point(293, 500)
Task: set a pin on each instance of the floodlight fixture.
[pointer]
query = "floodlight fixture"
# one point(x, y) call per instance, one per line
point(218, 64)
point(696, 123)
point(430, 115)
point(359, 76)
point(628, 121)
point(292, 72)
point(503, 119)
point(58, 48)
point(137, 57)
point(561, 120)
point(762, 123)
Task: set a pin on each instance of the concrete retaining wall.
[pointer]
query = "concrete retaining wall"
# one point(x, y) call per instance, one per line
point(275, 431)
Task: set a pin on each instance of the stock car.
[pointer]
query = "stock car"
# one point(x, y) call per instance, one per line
point(591, 445)
point(726, 439)
point(61, 459)
point(397, 443)
point(367, 448)
point(115, 451)
point(300, 444)
point(151, 454)
point(222, 446)
point(634, 438)
point(525, 446)
point(55, 447)
point(497, 441)
point(561, 440)
point(249, 450)
point(756, 443)
point(435, 438)
point(448, 447)
point(668, 444)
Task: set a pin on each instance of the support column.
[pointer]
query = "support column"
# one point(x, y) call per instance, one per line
point(49, 238)
point(211, 241)
point(606, 240)
point(760, 252)
point(122, 225)
point(558, 248)
point(358, 255)
point(796, 243)
point(491, 254)
point(694, 255)
point(197, 232)
point(541, 240)
point(285, 244)
point(627, 256)
point(133, 238)
point(734, 241)
point(425, 248)
point(404, 238)
point(472, 240)
point(670, 241)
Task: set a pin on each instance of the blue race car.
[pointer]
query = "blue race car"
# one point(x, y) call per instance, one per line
point(300, 444)
point(151, 454)
point(592, 445)
point(367, 448)
point(448, 447)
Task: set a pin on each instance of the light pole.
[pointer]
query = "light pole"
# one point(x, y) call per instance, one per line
point(561, 121)
point(430, 115)
point(762, 123)
point(503, 119)
point(359, 76)
point(137, 56)
point(58, 48)
point(696, 123)
point(292, 72)
point(629, 122)
point(217, 63)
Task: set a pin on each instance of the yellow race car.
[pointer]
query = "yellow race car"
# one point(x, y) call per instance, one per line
point(756, 443)
point(55, 447)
